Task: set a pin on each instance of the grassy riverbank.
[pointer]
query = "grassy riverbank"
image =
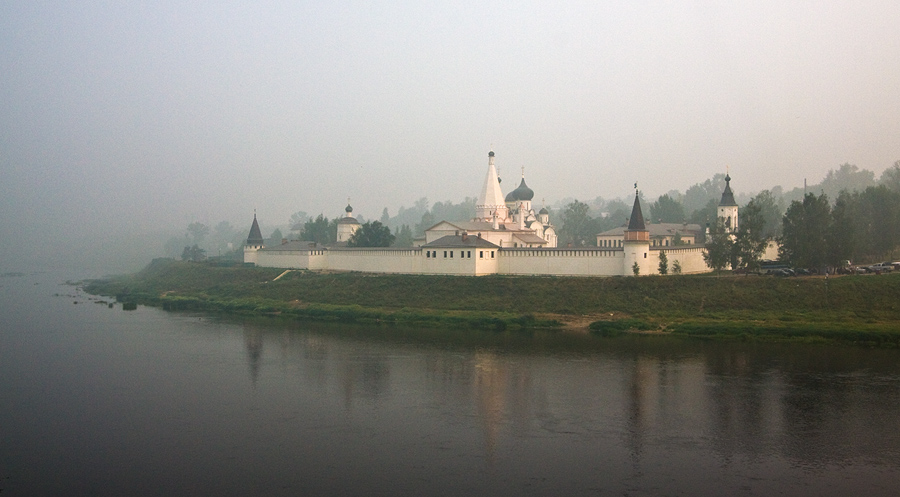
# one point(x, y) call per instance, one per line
point(861, 309)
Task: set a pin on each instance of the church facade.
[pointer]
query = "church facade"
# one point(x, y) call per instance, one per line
point(506, 236)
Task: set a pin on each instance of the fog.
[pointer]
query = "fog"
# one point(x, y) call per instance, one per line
point(121, 123)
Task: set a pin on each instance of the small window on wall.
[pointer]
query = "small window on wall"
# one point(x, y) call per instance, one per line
point(481, 254)
point(645, 255)
point(428, 254)
point(451, 254)
point(469, 255)
point(492, 254)
point(445, 254)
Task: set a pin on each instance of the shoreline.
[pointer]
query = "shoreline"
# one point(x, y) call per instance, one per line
point(859, 310)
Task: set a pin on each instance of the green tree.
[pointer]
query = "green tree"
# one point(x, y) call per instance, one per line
point(320, 230)
point(706, 217)
point(297, 220)
point(805, 224)
point(663, 262)
point(275, 238)
point(666, 210)
point(879, 216)
point(841, 237)
point(891, 177)
point(404, 236)
point(750, 241)
point(771, 210)
point(636, 269)
point(193, 254)
point(718, 250)
point(676, 267)
point(385, 217)
point(198, 231)
point(426, 222)
point(371, 234)
point(577, 227)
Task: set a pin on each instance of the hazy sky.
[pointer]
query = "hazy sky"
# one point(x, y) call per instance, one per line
point(120, 117)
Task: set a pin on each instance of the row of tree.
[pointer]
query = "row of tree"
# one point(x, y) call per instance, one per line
point(860, 226)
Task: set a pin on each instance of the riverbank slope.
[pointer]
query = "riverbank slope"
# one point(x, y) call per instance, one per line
point(862, 309)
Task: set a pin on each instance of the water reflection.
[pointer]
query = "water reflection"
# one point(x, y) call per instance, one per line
point(99, 402)
point(734, 404)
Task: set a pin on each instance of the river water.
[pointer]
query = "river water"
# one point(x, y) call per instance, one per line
point(99, 401)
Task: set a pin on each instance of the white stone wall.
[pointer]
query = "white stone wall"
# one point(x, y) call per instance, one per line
point(376, 260)
point(478, 261)
point(562, 262)
point(690, 257)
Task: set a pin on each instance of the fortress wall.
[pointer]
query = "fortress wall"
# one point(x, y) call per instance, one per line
point(561, 262)
point(376, 260)
point(690, 256)
point(288, 259)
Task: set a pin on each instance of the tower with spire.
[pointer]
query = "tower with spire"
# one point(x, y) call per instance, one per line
point(490, 201)
point(728, 208)
point(254, 242)
point(636, 245)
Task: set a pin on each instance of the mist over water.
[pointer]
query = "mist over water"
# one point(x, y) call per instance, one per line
point(99, 401)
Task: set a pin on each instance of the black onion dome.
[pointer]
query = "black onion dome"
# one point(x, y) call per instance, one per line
point(491, 153)
point(348, 209)
point(520, 193)
point(727, 195)
point(543, 211)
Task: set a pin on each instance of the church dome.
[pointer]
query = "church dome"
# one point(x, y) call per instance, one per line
point(520, 193)
point(348, 209)
point(543, 211)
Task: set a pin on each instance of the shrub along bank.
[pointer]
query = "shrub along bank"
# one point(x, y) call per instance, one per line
point(861, 309)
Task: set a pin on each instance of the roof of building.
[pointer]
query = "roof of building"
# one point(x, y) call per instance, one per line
point(659, 229)
point(461, 241)
point(727, 195)
point(475, 226)
point(529, 238)
point(543, 211)
point(520, 193)
point(255, 236)
point(347, 220)
point(292, 246)
point(636, 223)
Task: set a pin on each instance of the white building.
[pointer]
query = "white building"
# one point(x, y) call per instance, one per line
point(506, 236)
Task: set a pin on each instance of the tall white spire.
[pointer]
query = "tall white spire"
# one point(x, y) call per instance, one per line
point(491, 201)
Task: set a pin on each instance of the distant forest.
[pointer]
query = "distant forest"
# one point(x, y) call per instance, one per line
point(578, 222)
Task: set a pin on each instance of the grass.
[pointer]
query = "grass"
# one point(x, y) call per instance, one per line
point(860, 309)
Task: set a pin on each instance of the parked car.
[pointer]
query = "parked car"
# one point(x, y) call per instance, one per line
point(881, 267)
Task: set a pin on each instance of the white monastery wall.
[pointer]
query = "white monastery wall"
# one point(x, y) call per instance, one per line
point(376, 260)
point(562, 262)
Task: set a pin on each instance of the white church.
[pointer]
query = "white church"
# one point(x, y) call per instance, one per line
point(505, 236)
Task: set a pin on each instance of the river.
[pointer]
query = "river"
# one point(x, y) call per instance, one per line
point(95, 400)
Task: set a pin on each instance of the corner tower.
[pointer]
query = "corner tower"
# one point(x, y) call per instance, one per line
point(636, 245)
point(254, 242)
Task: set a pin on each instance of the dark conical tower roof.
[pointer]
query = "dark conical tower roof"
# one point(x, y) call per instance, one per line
point(255, 236)
point(727, 195)
point(637, 217)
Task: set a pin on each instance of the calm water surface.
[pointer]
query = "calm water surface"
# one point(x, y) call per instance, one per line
point(99, 401)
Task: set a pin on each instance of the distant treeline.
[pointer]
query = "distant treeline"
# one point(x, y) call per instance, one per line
point(577, 222)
